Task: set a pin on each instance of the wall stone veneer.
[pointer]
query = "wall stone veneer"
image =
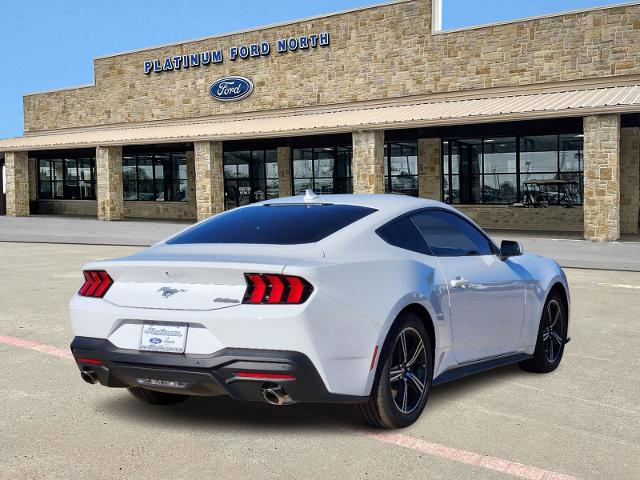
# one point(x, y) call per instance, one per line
point(430, 168)
point(284, 172)
point(629, 179)
point(375, 53)
point(17, 172)
point(209, 179)
point(602, 177)
point(538, 219)
point(367, 164)
point(109, 189)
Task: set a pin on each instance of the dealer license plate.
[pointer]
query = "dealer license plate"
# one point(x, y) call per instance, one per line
point(164, 337)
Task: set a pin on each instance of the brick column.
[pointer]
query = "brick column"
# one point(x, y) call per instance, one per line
point(602, 177)
point(16, 166)
point(109, 183)
point(367, 166)
point(209, 179)
point(430, 168)
point(284, 172)
point(629, 179)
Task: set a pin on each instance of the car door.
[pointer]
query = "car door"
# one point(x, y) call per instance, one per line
point(486, 295)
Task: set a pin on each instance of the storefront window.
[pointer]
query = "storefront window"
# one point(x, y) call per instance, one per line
point(67, 177)
point(152, 177)
point(324, 170)
point(401, 168)
point(502, 170)
point(250, 176)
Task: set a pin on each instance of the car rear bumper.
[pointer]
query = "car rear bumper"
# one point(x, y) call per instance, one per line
point(206, 375)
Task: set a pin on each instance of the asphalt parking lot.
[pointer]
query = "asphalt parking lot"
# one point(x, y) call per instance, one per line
point(582, 421)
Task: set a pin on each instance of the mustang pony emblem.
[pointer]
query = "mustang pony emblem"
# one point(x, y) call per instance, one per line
point(169, 292)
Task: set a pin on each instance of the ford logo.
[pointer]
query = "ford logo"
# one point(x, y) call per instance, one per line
point(230, 89)
point(155, 341)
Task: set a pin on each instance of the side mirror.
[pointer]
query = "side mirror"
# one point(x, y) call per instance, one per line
point(510, 248)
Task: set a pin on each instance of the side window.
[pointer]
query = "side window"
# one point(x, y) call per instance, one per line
point(404, 234)
point(451, 236)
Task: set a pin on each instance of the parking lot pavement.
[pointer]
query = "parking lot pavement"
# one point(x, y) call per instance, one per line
point(582, 421)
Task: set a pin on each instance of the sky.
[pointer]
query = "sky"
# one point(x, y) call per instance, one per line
point(46, 44)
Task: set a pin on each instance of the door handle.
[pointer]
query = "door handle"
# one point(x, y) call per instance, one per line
point(459, 282)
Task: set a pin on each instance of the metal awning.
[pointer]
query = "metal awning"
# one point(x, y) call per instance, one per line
point(441, 112)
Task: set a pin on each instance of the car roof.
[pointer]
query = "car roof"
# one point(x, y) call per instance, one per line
point(379, 202)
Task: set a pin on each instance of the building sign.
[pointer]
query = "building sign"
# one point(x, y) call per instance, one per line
point(231, 89)
point(243, 52)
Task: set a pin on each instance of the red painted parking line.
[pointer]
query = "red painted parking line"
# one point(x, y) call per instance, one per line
point(469, 458)
point(422, 446)
point(39, 347)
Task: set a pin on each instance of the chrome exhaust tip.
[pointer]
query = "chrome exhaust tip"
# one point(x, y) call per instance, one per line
point(275, 395)
point(89, 376)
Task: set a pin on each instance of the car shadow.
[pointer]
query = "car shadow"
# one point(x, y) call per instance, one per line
point(223, 413)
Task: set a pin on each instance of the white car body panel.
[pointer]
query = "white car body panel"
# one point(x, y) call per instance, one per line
point(360, 282)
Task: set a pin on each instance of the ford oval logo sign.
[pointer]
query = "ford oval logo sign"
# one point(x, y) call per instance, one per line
point(231, 89)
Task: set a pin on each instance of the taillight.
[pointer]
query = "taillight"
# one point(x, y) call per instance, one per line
point(96, 284)
point(272, 289)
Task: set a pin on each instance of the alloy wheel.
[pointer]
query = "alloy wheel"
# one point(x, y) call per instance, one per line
point(408, 372)
point(553, 331)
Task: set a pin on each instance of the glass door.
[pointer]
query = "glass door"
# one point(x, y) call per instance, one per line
point(250, 176)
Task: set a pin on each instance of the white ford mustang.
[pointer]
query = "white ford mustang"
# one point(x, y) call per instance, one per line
point(365, 299)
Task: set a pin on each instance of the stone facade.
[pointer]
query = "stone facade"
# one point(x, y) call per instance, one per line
point(17, 173)
point(67, 207)
point(284, 172)
point(367, 165)
point(602, 177)
point(109, 189)
point(375, 53)
point(209, 179)
point(538, 219)
point(430, 168)
point(629, 179)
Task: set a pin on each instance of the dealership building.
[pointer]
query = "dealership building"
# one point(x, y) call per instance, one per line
point(531, 124)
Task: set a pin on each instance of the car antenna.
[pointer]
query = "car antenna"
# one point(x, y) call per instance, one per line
point(310, 196)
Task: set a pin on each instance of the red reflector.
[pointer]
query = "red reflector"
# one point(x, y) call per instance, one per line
point(269, 376)
point(96, 284)
point(373, 358)
point(89, 361)
point(296, 290)
point(277, 288)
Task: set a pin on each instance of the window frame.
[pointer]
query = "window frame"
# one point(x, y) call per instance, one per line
point(264, 180)
point(492, 245)
point(63, 159)
point(155, 164)
point(446, 145)
point(388, 181)
point(348, 179)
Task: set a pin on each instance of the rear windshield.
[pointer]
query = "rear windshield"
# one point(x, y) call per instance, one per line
point(274, 224)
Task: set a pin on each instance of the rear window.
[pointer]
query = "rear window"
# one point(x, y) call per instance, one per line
point(275, 224)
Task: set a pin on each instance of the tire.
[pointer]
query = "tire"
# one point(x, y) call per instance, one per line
point(396, 401)
point(157, 398)
point(552, 336)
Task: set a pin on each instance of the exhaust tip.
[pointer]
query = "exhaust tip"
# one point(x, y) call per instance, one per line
point(89, 376)
point(275, 395)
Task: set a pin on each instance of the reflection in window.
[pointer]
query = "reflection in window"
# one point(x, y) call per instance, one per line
point(155, 177)
point(401, 168)
point(324, 170)
point(250, 176)
point(501, 170)
point(68, 177)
